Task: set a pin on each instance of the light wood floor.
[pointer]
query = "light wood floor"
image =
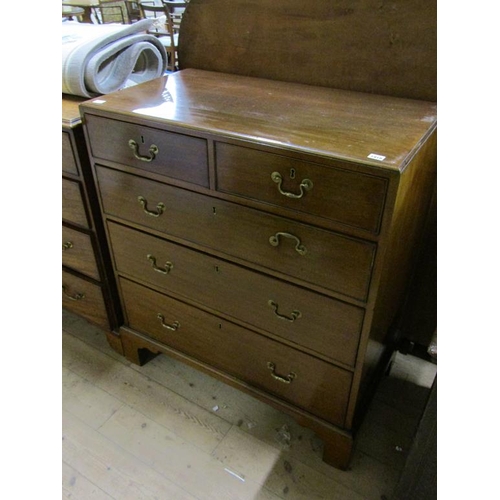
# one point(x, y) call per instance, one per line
point(165, 431)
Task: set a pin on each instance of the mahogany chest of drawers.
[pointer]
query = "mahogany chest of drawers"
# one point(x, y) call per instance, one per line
point(264, 232)
point(87, 278)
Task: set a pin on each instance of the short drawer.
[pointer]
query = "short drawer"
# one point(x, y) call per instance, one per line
point(68, 159)
point(78, 253)
point(308, 319)
point(166, 153)
point(84, 298)
point(304, 380)
point(73, 206)
point(344, 196)
point(314, 255)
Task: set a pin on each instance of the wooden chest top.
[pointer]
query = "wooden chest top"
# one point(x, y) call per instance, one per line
point(70, 111)
point(380, 131)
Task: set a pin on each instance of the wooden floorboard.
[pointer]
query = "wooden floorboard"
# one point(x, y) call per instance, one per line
point(167, 431)
point(77, 487)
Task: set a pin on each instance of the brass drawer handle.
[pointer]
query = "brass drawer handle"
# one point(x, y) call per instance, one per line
point(174, 326)
point(144, 203)
point(167, 268)
point(286, 380)
point(153, 151)
point(78, 296)
point(275, 241)
point(295, 314)
point(67, 246)
point(305, 185)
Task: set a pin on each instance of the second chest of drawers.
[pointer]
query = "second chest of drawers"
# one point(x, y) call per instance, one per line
point(88, 282)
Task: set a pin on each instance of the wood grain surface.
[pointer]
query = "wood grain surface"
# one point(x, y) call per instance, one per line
point(326, 122)
point(378, 46)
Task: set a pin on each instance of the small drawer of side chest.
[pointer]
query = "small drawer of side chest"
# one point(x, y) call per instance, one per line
point(84, 298)
point(334, 193)
point(78, 253)
point(310, 383)
point(166, 153)
point(73, 206)
point(68, 158)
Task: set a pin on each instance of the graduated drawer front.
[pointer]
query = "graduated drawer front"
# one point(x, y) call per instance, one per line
point(73, 207)
point(84, 298)
point(317, 386)
point(308, 319)
point(341, 195)
point(78, 253)
point(68, 159)
point(331, 260)
point(178, 156)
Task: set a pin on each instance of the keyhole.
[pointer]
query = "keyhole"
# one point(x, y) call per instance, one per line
point(142, 139)
point(292, 173)
point(214, 210)
point(216, 269)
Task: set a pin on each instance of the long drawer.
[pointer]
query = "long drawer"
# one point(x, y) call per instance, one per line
point(348, 197)
point(78, 253)
point(174, 155)
point(314, 255)
point(306, 381)
point(308, 319)
point(84, 298)
point(73, 207)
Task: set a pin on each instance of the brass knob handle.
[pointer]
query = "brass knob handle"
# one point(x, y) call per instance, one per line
point(305, 185)
point(165, 270)
point(173, 327)
point(67, 245)
point(153, 151)
point(160, 208)
point(78, 296)
point(295, 314)
point(286, 380)
point(275, 241)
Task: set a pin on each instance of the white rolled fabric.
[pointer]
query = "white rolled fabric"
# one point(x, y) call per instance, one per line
point(102, 58)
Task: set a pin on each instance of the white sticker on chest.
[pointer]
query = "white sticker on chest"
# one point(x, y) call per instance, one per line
point(373, 156)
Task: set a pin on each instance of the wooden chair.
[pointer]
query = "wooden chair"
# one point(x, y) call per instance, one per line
point(166, 34)
point(71, 13)
point(134, 10)
point(176, 10)
point(113, 11)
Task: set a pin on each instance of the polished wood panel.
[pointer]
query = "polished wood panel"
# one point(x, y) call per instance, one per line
point(332, 260)
point(365, 45)
point(327, 123)
point(73, 206)
point(84, 298)
point(68, 160)
point(178, 156)
point(415, 188)
point(419, 319)
point(329, 327)
point(78, 252)
point(336, 193)
point(317, 386)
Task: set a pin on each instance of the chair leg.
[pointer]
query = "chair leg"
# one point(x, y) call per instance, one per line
point(175, 60)
point(171, 60)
